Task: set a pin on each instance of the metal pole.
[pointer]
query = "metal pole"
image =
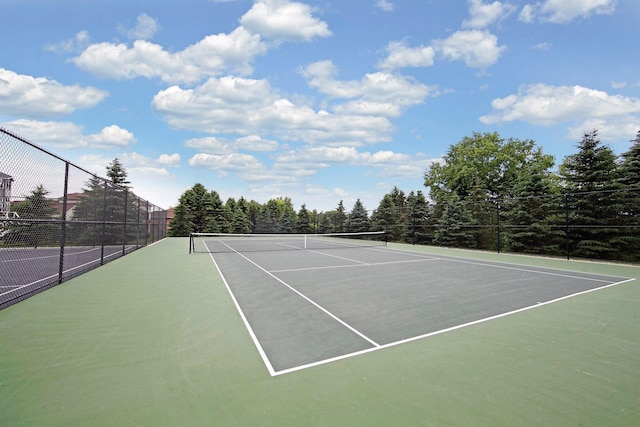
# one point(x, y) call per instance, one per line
point(566, 222)
point(63, 217)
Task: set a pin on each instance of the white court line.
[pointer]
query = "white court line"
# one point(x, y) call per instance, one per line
point(333, 316)
point(56, 275)
point(253, 336)
point(372, 264)
point(517, 267)
point(442, 331)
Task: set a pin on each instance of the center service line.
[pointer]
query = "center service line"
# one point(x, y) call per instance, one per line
point(333, 316)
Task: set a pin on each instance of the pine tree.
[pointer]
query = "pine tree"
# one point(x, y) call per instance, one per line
point(194, 212)
point(630, 201)
point(117, 173)
point(303, 220)
point(454, 226)
point(35, 206)
point(358, 218)
point(529, 217)
point(340, 218)
point(417, 212)
point(591, 176)
point(386, 217)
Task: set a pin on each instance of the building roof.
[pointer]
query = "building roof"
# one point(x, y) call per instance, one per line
point(5, 176)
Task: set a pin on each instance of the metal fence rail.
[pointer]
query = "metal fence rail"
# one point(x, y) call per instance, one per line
point(58, 220)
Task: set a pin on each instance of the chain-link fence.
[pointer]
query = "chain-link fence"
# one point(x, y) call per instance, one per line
point(58, 220)
point(591, 225)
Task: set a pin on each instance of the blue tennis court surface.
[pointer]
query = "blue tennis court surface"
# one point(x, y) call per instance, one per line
point(308, 307)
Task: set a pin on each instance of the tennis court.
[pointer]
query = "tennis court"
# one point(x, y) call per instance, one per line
point(155, 338)
point(25, 270)
point(343, 297)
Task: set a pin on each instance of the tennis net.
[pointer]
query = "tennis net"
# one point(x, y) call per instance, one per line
point(226, 242)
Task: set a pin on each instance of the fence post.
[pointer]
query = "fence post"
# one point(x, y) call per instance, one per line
point(566, 222)
point(124, 227)
point(498, 218)
point(147, 221)
point(138, 225)
point(63, 225)
point(104, 223)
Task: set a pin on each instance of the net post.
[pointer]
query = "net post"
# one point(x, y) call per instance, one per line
point(190, 241)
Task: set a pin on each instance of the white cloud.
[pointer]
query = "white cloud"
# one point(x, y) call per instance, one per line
point(387, 163)
point(399, 55)
point(146, 27)
point(233, 105)
point(227, 162)
point(376, 94)
point(66, 135)
point(547, 105)
point(210, 56)
point(527, 14)
point(384, 5)
point(76, 44)
point(477, 49)
point(482, 15)
point(255, 143)
point(214, 145)
point(38, 97)
point(615, 129)
point(564, 11)
point(169, 159)
point(284, 20)
point(541, 46)
point(111, 137)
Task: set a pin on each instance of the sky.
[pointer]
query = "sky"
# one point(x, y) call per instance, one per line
point(318, 101)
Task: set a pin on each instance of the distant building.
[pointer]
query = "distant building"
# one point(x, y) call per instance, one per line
point(170, 214)
point(5, 194)
point(72, 201)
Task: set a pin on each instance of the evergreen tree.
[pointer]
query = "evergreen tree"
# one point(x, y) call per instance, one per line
point(417, 212)
point(630, 201)
point(327, 222)
point(529, 217)
point(240, 221)
point(386, 217)
point(340, 218)
point(90, 214)
point(35, 206)
point(591, 175)
point(358, 218)
point(194, 212)
point(304, 225)
point(220, 217)
point(117, 174)
point(454, 226)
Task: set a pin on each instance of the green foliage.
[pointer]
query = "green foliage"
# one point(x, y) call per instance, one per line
point(455, 225)
point(117, 173)
point(417, 219)
point(594, 172)
point(37, 207)
point(304, 224)
point(483, 161)
point(358, 220)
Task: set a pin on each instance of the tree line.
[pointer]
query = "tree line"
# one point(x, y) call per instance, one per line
point(487, 193)
point(100, 216)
